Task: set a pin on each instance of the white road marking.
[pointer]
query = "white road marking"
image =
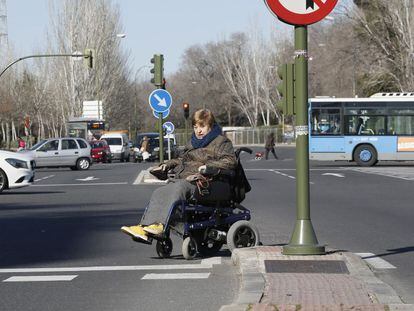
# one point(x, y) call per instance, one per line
point(88, 178)
point(404, 173)
point(81, 185)
point(333, 174)
point(43, 178)
point(205, 264)
point(375, 261)
point(40, 278)
point(286, 175)
point(293, 169)
point(175, 276)
point(139, 178)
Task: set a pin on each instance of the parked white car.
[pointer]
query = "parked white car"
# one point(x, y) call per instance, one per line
point(16, 170)
point(62, 152)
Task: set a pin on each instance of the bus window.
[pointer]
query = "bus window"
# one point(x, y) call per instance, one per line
point(400, 125)
point(365, 125)
point(326, 122)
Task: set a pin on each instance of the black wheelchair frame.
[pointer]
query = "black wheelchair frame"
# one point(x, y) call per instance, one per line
point(206, 228)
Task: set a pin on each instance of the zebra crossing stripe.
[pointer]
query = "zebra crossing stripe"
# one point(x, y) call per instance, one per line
point(204, 264)
point(175, 276)
point(40, 278)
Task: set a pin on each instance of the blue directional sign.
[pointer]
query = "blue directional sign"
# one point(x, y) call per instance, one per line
point(164, 114)
point(160, 100)
point(169, 127)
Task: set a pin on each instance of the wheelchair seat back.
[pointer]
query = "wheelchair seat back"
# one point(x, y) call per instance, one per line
point(227, 187)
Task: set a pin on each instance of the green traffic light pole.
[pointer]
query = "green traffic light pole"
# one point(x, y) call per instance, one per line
point(161, 132)
point(38, 56)
point(303, 240)
point(186, 130)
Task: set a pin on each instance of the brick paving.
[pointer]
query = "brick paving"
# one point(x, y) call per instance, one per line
point(354, 288)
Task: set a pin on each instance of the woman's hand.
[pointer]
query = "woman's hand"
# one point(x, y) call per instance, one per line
point(163, 167)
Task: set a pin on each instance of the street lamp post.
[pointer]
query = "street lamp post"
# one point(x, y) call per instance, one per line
point(97, 86)
point(136, 93)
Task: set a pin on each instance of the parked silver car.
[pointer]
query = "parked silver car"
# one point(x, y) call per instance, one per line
point(62, 152)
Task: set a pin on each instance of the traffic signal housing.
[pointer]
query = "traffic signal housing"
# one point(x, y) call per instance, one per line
point(186, 109)
point(286, 88)
point(89, 58)
point(157, 70)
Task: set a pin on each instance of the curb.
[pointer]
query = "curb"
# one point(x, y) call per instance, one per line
point(253, 285)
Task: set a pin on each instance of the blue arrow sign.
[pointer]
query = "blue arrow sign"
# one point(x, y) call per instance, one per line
point(164, 114)
point(160, 100)
point(169, 127)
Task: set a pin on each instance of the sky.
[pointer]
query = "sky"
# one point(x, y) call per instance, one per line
point(165, 27)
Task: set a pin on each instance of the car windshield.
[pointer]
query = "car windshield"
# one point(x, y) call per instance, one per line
point(38, 144)
point(113, 141)
point(155, 142)
point(97, 144)
point(141, 136)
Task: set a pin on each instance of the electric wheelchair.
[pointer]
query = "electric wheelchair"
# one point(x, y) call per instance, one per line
point(213, 217)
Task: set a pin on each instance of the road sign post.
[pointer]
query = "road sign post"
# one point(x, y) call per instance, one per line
point(169, 129)
point(161, 137)
point(160, 101)
point(301, 13)
point(303, 240)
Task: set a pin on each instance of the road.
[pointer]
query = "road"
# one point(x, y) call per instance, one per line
point(70, 220)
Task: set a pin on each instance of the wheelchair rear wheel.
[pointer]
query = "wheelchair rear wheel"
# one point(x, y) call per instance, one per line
point(242, 234)
point(164, 248)
point(189, 248)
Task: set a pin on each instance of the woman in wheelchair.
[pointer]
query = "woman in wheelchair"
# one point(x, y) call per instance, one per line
point(208, 150)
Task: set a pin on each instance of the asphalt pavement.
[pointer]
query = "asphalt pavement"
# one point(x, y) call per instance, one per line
point(70, 220)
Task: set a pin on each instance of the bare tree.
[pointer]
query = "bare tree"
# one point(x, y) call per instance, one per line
point(385, 30)
point(245, 63)
point(75, 26)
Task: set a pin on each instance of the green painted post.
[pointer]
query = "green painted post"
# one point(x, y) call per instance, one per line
point(303, 240)
point(186, 131)
point(161, 132)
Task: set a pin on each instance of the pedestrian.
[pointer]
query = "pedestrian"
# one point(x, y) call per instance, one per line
point(21, 143)
point(144, 148)
point(270, 146)
point(208, 149)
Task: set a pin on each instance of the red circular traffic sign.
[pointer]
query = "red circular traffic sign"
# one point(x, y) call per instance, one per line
point(301, 12)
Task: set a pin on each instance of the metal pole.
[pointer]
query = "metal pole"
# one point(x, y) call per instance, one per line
point(161, 138)
point(186, 131)
point(303, 240)
point(39, 56)
point(169, 147)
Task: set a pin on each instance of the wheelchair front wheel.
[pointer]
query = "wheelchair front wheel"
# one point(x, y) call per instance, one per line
point(164, 248)
point(189, 248)
point(242, 234)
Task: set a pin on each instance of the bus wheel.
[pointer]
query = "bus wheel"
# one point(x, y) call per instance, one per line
point(365, 155)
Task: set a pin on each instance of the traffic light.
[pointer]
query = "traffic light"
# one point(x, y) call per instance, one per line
point(89, 58)
point(286, 88)
point(157, 70)
point(186, 109)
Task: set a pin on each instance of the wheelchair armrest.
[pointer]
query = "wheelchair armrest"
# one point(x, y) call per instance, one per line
point(242, 149)
point(213, 171)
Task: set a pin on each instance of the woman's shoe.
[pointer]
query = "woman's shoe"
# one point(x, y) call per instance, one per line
point(154, 229)
point(137, 233)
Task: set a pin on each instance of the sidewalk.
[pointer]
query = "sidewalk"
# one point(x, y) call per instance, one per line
point(333, 282)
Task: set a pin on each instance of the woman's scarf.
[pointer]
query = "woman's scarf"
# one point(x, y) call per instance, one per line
point(201, 143)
